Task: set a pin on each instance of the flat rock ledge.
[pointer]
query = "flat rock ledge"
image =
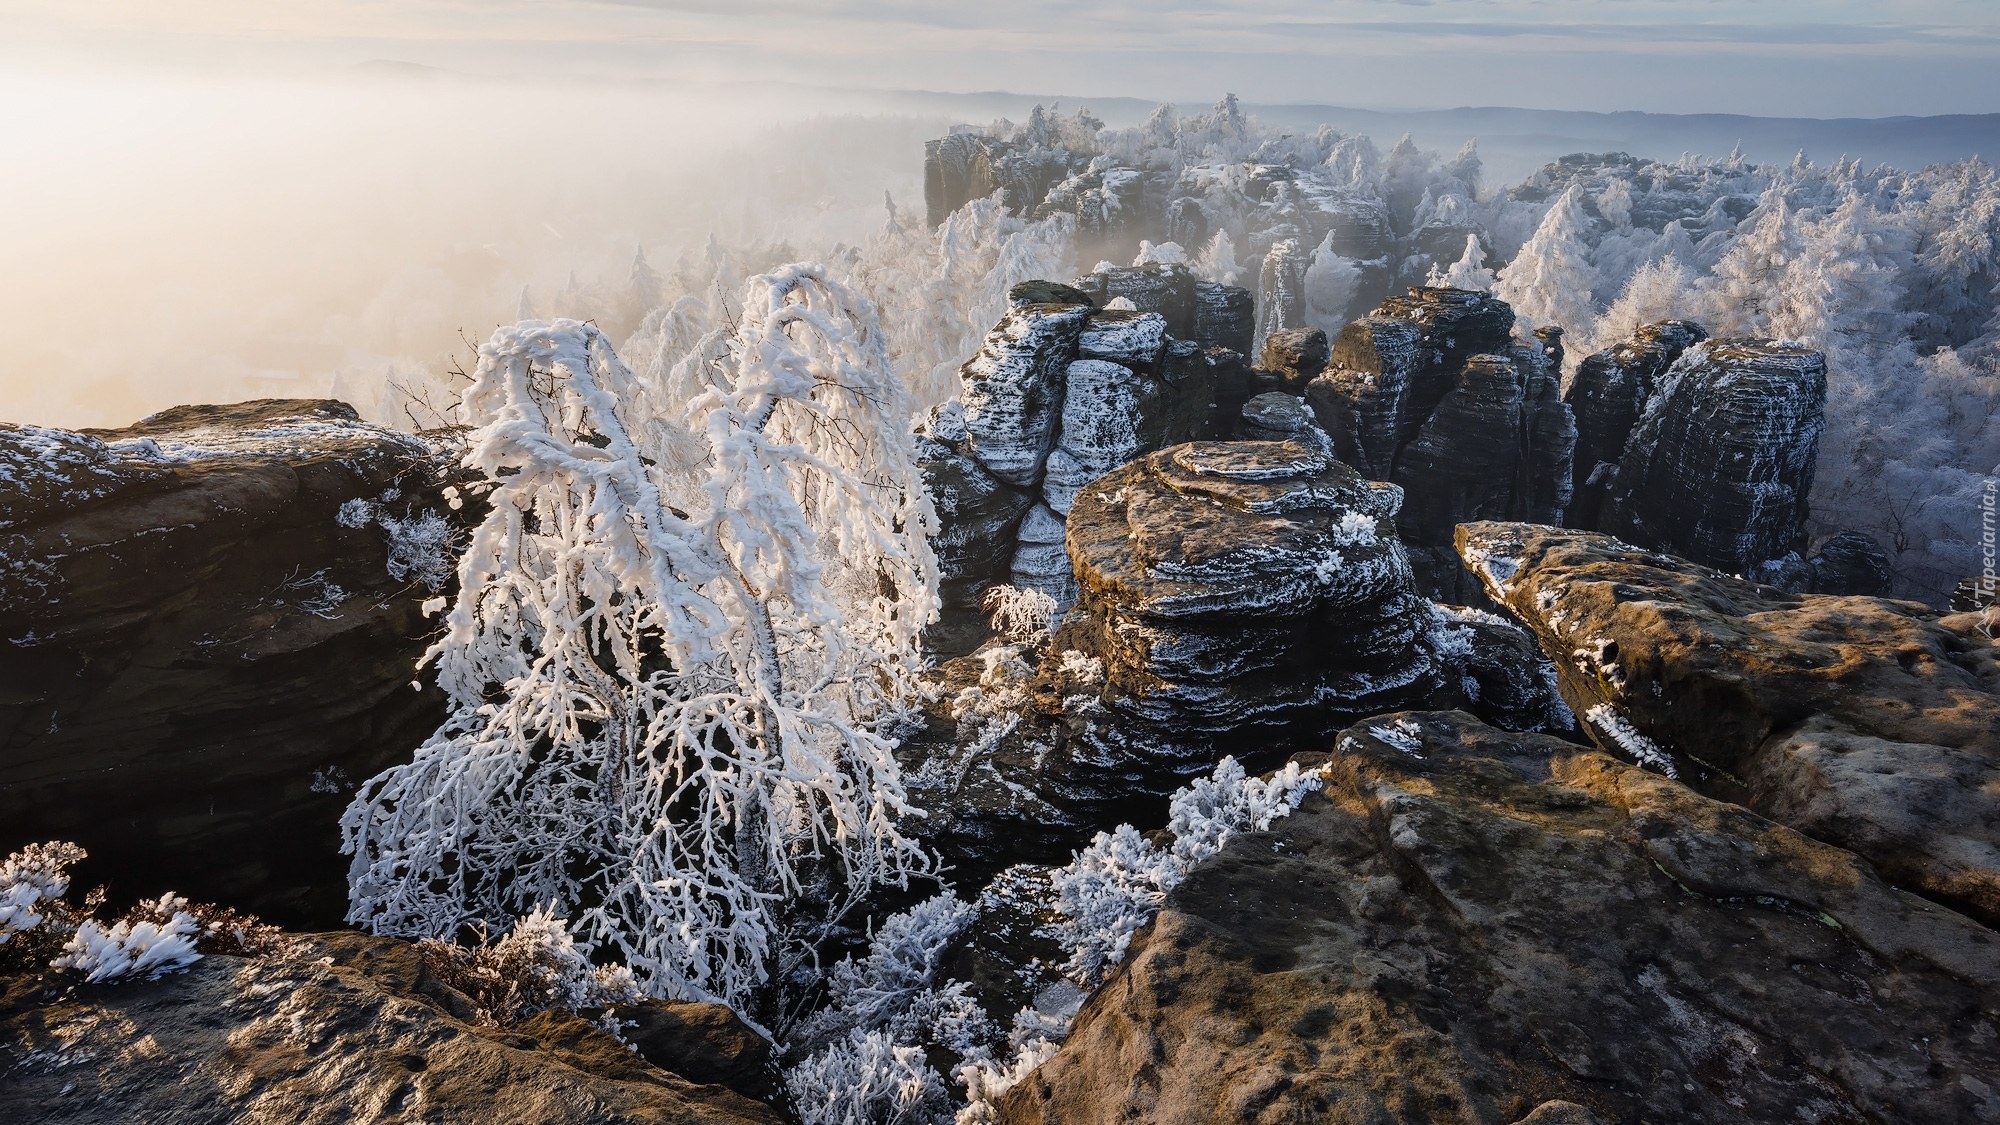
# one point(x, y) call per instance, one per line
point(1868, 723)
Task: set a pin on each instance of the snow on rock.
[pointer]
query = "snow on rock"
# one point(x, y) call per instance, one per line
point(1278, 416)
point(1130, 338)
point(1358, 399)
point(201, 617)
point(1213, 575)
point(1225, 316)
point(1719, 469)
point(1012, 391)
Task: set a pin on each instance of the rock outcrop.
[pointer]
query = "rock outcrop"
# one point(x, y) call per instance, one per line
point(1294, 358)
point(1243, 598)
point(1870, 724)
point(1720, 466)
point(213, 620)
point(1062, 391)
point(1433, 393)
point(1210, 571)
point(339, 1028)
point(1470, 927)
point(1608, 394)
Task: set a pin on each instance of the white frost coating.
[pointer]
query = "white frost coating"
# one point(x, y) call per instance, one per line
point(866, 1079)
point(1496, 569)
point(1019, 615)
point(1402, 734)
point(1643, 750)
point(36, 874)
point(1117, 884)
point(128, 949)
point(1082, 668)
point(986, 1081)
point(690, 695)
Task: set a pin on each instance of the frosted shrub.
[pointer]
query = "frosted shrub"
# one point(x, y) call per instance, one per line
point(866, 1079)
point(1017, 615)
point(31, 880)
point(1117, 884)
point(537, 966)
point(902, 960)
point(986, 1081)
point(669, 676)
point(128, 948)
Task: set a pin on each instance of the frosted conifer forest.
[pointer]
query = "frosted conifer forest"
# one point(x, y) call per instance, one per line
point(1196, 620)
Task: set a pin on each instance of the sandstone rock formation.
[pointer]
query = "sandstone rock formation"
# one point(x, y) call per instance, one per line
point(1867, 723)
point(1720, 466)
point(339, 1028)
point(1433, 393)
point(1235, 598)
point(1470, 926)
point(1294, 357)
point(1062, 391)
point(213, 620)
point(1608, 394)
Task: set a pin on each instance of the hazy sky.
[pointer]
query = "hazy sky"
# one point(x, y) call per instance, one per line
point(1820, 58)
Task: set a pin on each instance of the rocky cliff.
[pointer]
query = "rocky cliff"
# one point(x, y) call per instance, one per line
point(1870, 724)
point(1472, 926)
point(1072, 383)
point(213, 621)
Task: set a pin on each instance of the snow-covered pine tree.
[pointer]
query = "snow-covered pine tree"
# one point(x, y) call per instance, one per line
point(668, 685)
point(1469, 272)
point(1549, 282)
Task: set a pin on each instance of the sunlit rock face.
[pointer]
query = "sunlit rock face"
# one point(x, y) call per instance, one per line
point(213, 618)
point(1471, 926)
point(1720, 467)
point(1012, 391)
point(1868, 723)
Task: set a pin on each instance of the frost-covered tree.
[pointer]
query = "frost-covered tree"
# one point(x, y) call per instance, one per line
point(1549, 282)
point(1469, 272)
point(669, 677)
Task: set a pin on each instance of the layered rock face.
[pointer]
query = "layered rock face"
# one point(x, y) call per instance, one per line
point(213, 620)
point(1208, 570)
point(1608, 394)
point(1719, 468)
point(1240, 598)
point(1433, 393)
point(1472, 926)
point(1870, 724)
point(1061, 392)
point(340, 1028)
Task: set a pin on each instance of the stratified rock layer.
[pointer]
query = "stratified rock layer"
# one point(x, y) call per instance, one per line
point(1212, 575)
point(1433, 393)
point(1867, 723)
point(1608, 394)
point(342, 1028)
point(1062, 391)
point(212, 633)
point(1720, 467)
point(1470, 927)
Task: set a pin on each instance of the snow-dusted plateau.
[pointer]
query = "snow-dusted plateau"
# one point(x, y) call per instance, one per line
point(1205, 623)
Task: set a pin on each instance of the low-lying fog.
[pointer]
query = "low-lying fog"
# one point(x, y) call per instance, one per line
point(170, 241)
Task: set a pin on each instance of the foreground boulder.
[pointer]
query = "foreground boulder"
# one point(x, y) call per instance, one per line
point(213, 620)
point(338, 1028)
point(1470, 926)
point(1867, 723)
